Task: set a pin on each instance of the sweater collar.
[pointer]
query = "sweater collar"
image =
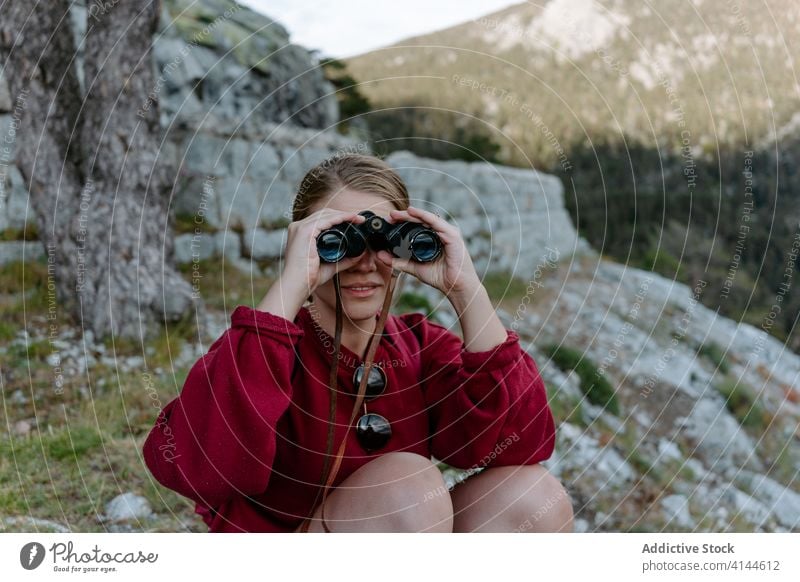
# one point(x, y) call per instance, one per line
point(349, 360)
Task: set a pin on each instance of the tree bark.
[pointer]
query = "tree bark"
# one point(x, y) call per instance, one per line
point(91, 162)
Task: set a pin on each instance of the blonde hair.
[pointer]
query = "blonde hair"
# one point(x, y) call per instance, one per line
point(354, 171)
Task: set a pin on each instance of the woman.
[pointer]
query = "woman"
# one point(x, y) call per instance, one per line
point(246, 439)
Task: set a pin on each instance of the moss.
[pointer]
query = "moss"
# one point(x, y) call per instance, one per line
point(75, 442)
point(714, 353)
point(29, 232)
point(503, 285)
point(595, 386)
point(412, 302)
point(741, 400)
point(275, 223)
point(185, 223)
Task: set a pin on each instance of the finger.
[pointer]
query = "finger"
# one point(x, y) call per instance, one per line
point(404, 265)
point(431, 218)
point(444, 229)
point(320, 223)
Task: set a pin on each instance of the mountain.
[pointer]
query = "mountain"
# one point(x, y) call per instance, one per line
point(673, 125)
point(550, 75)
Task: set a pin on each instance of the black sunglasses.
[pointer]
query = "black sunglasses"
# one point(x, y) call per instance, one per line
point(373, 431)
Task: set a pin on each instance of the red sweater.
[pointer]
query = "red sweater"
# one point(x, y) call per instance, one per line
point(246, 437)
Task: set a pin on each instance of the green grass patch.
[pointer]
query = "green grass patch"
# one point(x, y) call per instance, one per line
point(596, 387)
point(716, 355)
point(185, 223)
point(503, 286)
point(741, 400)
point(411, 302)
point(30, 232)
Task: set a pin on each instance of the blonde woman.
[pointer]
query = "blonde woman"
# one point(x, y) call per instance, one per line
point(248, 437)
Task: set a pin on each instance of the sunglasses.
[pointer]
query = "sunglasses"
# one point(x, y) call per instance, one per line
point(372, 430)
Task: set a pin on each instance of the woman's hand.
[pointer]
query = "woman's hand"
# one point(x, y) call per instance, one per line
point(303, 271)
point(452, 273)
point(303, 266)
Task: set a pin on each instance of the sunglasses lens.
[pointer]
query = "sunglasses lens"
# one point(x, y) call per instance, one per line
point(373, 431)
point(376, 383)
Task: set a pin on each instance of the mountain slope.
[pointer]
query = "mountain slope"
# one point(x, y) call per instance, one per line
point(677, 71)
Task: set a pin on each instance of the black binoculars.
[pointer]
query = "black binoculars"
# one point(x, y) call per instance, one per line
point(405, 240)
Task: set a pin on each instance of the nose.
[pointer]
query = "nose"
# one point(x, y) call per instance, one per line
point(368, 262)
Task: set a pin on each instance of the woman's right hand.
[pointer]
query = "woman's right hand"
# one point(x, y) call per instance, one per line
point(303, 270)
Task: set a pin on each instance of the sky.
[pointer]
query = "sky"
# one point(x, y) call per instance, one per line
point(350, 27)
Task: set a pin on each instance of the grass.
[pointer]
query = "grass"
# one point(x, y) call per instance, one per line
point(68, 476)
point(223, 286)
point(185, 223)
point(29, 232)
point(741, 400)
point(595, 386)
point(504, 286)
point(565, 408)
point(413, 302)
point(716, 355)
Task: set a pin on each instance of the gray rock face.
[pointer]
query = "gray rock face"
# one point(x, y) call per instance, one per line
point(509, 217)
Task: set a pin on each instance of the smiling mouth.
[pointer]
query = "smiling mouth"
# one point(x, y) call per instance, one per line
point(361, 290)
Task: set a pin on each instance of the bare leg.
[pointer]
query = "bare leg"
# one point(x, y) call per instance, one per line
point(396, 492)
point(520, 498)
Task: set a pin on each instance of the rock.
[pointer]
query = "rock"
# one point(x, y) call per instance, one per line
point(190, 248)
point(578, 452)
point(22, 428)
point(13, 251)
point(669, 451)
point(720, 440)
point(127, 506)
point(261, 244)
point(676, 511)
point(781, 501)
point(5, 95)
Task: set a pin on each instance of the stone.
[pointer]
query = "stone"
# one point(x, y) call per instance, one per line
point(262, 244)
point(13, 251)
point(5, 94)
point(676, 512)
point(781, 501)
point(127, 507)
point(194, 247)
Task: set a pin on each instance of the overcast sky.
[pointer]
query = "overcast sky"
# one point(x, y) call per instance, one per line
point(349, 27)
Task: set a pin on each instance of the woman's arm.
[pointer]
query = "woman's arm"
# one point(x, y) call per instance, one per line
point(480, 326)
point(218, 437)
point(486, 407)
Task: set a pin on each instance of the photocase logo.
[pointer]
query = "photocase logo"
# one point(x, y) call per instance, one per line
point(31, 555)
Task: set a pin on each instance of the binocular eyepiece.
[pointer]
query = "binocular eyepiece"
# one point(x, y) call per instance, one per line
point(405, 240)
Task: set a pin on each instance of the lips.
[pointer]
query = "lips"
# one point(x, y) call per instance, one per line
point(361, 289)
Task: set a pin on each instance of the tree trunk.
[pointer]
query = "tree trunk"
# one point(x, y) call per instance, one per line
point(97, 186)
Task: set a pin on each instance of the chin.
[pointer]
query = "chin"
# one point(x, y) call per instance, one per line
point(361, 310)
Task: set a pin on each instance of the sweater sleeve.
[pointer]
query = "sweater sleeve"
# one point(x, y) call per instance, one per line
point(217, 437)
point(485, 408)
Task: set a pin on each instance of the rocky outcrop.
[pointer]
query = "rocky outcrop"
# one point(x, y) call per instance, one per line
point(684, 453)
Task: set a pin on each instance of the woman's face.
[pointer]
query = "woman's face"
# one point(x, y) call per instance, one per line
point(363, 285)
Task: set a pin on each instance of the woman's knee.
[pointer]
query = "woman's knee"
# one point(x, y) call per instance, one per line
point(398, 491)
point(544, 505)
point(522, 498)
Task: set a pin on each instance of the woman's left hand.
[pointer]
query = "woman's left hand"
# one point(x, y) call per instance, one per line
point(452, 273)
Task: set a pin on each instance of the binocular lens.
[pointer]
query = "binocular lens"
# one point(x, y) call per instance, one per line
point(424, 247)
point(331, 246)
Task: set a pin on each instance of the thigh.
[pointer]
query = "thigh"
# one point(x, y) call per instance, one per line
point(512, 498)
point(397, 491)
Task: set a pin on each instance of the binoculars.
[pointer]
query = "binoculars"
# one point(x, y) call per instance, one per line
point(405, 240)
